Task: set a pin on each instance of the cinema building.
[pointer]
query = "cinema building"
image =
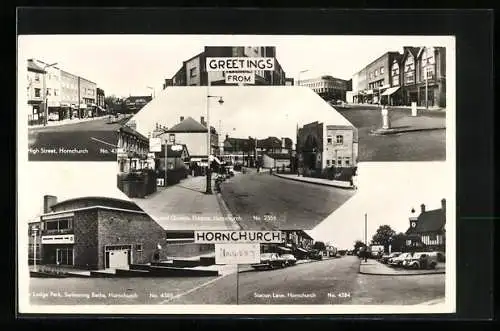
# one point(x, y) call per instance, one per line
point(96, 233)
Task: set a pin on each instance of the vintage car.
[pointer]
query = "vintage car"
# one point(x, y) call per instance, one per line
point(398, 260)
point(386, 257)
point(269, 261)
point(289, 259)
point(315, 255)
point(422, 260)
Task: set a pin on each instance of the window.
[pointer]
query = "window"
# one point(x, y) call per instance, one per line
point(410, 77)
point(37, 77)
point(37, 92)
point(56, 92)
point(347, 161)
point(192, 72)
point(49, 91)
point(409, 64)
point(339, 162)
point(376, 73)
point(381, 70)
point(339, 139)
point(327, 163)
point(138, 247)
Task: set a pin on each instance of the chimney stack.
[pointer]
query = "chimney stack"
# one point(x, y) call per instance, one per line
point(182, 118)
point(227, 136)
point(422, 208)
point(48, 202)
point(443, 205)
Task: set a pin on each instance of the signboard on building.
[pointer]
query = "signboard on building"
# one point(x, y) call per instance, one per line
point(155, 145)
point(237, 253)
point(59, 239)
point(240, 63)
point(237, 237)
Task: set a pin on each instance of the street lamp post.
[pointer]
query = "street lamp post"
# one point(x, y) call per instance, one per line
point(45, 106)
point(366, 238)
point(209, 136)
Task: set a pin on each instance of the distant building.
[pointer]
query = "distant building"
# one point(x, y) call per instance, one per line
point(133, 150)
point(101, 105)
point(427, 230)
point(35, 92)
point(328, 87)
point(133, 104)
point(289, 82)
point(193, 71)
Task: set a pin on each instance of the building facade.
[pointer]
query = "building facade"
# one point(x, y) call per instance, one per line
point(98, 233)
point(135, 103)
point(320, 146)
point(427, 230)
point(133, 149)
point(100, 101)
point(328, 87)
point(69, 94)
point(88, 97)
point(416, 75)
point(35, 92)
point(193, 71)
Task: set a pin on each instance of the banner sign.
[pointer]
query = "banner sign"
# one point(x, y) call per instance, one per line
point(237, 237)
point(240, 78)
point(155, 144)
point(240, 63)
point(237, 253)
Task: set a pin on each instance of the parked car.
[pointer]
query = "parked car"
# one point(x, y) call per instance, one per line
point(441, 256)
point(269, 261)
point(53, 117)
point(316, 255)
point(398, 260)
point(421, 261)
point(289, 259)
point(386, 257)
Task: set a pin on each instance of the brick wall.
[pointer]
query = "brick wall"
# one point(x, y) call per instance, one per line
point(86, 244)
point(126, 228)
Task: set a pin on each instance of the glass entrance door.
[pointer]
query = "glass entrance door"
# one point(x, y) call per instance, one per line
point(64, 256)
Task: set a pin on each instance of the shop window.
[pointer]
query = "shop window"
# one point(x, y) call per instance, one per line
point(339, 139)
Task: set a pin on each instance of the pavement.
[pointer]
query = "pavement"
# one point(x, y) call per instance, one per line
point(264, 202)
point(412, 124)
point(373, 267)
point(185, 206)
point(319, 181)
point(92, 140)
point(427, 143)
point(68, 121)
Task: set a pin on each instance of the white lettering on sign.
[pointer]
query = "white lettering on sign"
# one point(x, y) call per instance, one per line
point(237, 253)
point(59, 239)
point(240, 78)
point(240, 63)
point(221, 237)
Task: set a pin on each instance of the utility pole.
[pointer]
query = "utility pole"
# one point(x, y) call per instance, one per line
point(366, 238)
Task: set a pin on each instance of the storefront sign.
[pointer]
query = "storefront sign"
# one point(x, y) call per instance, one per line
point(59, 239)
point(240, 78)
point(233, 237)
point(155, 144)
point(237, 253)
point(240, 63)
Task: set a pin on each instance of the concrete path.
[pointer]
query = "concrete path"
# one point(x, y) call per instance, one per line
point(372, 267)
point(185, 206)
point(320, 181)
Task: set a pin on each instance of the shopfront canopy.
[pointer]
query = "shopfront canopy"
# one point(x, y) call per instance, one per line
point(285, 249)
point(391, 90)
point(302, 250)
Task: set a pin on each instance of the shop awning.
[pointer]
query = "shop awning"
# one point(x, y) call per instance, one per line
point(302, 250)
point(213, 158)
point(285, 249)
point(391, 90)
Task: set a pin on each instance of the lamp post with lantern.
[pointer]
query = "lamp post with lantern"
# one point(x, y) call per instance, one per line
point(209, 142)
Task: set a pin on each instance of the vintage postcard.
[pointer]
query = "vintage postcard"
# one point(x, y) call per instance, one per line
point(236, 174)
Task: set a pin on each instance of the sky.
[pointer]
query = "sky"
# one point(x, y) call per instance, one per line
point(386, 194)
point(126, 65)
point(65, 180)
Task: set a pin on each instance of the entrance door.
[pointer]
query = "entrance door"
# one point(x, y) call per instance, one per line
point(118, 258)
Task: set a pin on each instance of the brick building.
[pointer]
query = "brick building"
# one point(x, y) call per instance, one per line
point(97, 233)
point(328, 87)
point(193, 71)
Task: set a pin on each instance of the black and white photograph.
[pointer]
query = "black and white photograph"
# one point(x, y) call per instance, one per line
point(249, 172)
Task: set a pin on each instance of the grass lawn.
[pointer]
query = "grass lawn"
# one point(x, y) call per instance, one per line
point(409, 146)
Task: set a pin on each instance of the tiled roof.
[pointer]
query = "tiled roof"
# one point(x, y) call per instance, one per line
point(34, 67)
point(429, 221)
point(188, 125)
point(131, 131)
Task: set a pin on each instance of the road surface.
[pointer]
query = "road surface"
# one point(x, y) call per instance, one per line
point(334, 281)
point(280, 203)
point(93, 140)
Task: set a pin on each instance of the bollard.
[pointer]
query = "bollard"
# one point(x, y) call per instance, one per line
point(385, 119)
point(414, 109)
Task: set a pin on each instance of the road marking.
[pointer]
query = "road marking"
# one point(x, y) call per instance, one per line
point(101, 141)
point(194, 289)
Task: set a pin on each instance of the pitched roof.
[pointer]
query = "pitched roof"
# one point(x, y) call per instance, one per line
point(429, 221)
point(32, 66)
point(188, 125)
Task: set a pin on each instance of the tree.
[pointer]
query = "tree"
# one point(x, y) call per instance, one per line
point(383, 236)
point(357, 245)
point(398, 242)
point(319, 245)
